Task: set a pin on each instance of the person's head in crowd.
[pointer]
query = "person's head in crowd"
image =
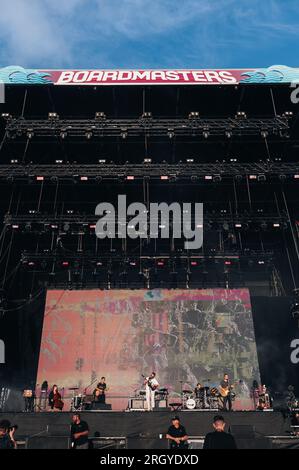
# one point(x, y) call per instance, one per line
point(76, 418)
point(4, 426)
point(176, 422)
point(218, 423)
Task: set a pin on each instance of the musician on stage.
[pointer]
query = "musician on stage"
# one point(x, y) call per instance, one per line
point(55, 401)
point(225, 392)
point(177, 435)
point(151, 384)
point(99, 394)
point(198, 390)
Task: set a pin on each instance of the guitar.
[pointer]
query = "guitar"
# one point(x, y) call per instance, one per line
point(99, 391)
point(224, 392)
point(148, 382)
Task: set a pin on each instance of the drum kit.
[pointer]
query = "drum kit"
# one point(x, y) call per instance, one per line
point(203, 398)
point(78, 401)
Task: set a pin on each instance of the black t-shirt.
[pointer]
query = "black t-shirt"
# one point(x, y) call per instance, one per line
point(81, 427)
point(219, 440)
point(102, 386)
point(177, 432)
point(6, 442)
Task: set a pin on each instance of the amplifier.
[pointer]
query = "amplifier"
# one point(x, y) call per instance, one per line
point(137, 404)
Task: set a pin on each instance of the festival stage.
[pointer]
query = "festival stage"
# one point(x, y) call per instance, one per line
point(143, 429)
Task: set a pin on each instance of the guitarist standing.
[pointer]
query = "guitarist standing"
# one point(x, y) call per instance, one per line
point(151, 384)
point(225, 389)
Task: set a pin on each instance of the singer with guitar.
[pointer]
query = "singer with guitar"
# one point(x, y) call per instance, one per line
point(151, 385)
point(225, 389)
point(99, 393)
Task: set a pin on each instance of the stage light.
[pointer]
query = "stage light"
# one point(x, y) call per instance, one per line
point(14, 161)
point(164, 177)
point(190, 160)
point(40, 178)
point(88, 135)
point(58, 161)
point(161, 263)
point(63, 134)
point(31, 263)
point(241, 115)
point(193, 115)
point(92, 226)
point(53, 115)
point(233, 160)
point(147, 160)
point(100, 115)
point(296, 177)
point(170, 133)
point(206, 134)
point(124, 134)
point(261, 262)
point(217, 178)
point(288, 114)
point(133, 263)
point(32, 211)
point(54, 226)
point(146, 115)
point(130, 178)
point(65, 264)
point(264, 134)
point(238, 225)
point(15, 226)
point(193, 263)
point(252, 177)
point(208, 177)
point(276, 225)
point(6, 116)
point(30, 133)
point(102, 160)
point(83, 178)
point(227, 263)
point(228, 134)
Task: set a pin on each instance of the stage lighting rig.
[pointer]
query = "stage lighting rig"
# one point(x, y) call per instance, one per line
point(241, 115)
point(53, 115)
point(193, 115)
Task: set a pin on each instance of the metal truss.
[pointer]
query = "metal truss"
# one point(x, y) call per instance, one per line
point(194, 171)
point(75, 224)
point(124, 128)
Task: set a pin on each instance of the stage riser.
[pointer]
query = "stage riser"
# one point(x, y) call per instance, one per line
point(144, 424)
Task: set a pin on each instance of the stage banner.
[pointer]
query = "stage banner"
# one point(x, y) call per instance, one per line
point(185, 336)
point(274, 74)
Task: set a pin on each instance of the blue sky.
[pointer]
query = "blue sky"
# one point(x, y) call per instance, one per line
point(149, 33)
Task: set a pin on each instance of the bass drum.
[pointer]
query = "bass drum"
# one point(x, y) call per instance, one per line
point(190, 404)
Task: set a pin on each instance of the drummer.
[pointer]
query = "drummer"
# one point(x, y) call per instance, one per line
point(198, 390)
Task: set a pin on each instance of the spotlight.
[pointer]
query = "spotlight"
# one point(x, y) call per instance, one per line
point(228, 134)
point(288, 114)
point(124, 134)
point(14, 161)
point(63, 134)
point(53, 116)
point(102, 161)
point(164, 177)
point(296, 177)
point(170, 133)
point(233, 160)
point(146, 115)
point(6, 116)
point(208, 177)
point(217, 178)
point(206, 134)
point(276, 224)
point(130, 178)
point(241, 115)
point(40, 178)
point(83, 178)
point(58, 162)
point(264, 134)
point(193, 115)
point(30, 133)
point(88, 135)
point(238, 225)
point(100, 115)
point(190, 160)
point(147, 160)
point(252, 177)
